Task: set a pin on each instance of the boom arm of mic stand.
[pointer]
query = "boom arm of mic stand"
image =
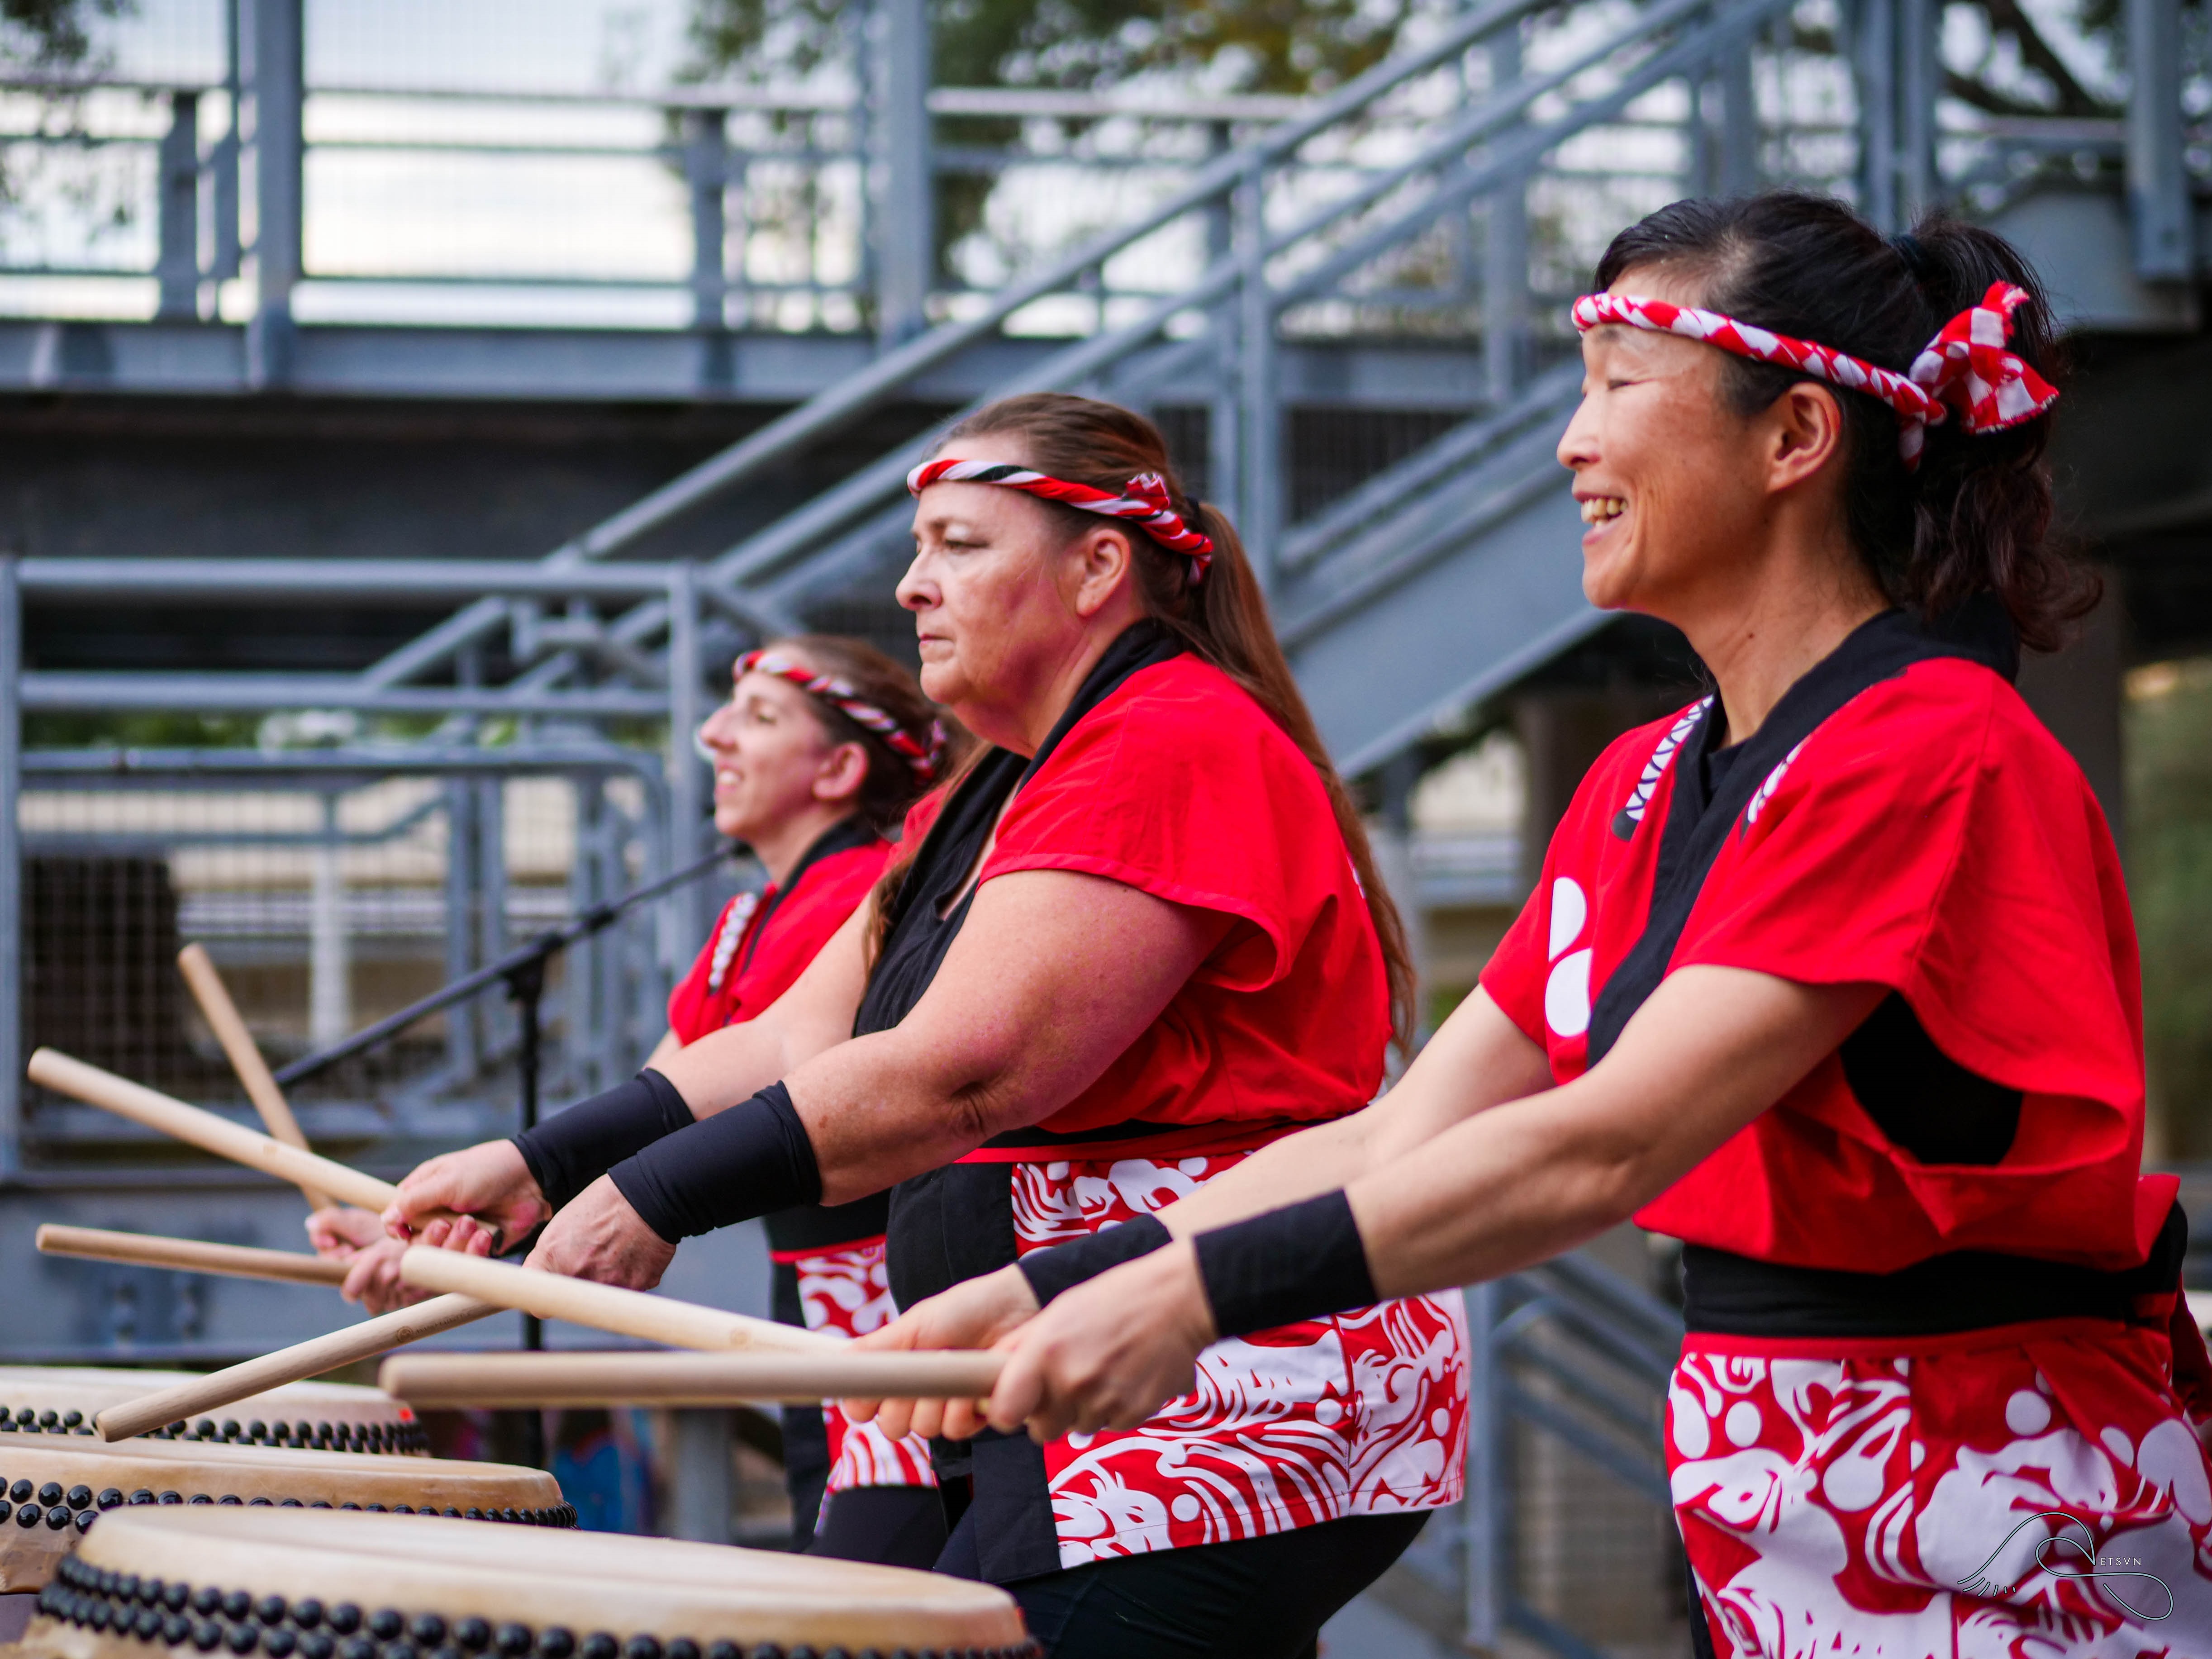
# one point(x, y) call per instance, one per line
point(539, 950)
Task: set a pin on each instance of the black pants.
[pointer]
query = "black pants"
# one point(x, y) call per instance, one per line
point(1258, 1598)
point(892, 1526)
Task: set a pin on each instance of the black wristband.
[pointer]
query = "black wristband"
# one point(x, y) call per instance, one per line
point(572, 1149)
point(1064, 1267)
point(746, 1161)
point(1299, 1262)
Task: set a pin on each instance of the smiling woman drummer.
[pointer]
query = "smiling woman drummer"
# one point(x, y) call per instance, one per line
point(1141, 937)
point(1831, 975)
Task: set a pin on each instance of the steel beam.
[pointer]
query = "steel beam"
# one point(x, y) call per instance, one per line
point(177, 212)
point(249, 693)
point(301, 578)
point(906, 211)
point(2158, 193)
point(11, 871)
point(272, 34)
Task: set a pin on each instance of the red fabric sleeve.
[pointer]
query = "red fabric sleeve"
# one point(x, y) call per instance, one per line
point(1954, 854)
point(1195, 797)
point(688, 1009)
point(1937, 840)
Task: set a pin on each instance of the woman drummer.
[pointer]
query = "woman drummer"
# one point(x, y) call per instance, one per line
point(1140, 938)
point(824, 743)
point(1831, 976)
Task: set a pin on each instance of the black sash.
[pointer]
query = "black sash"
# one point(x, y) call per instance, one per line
point(958, 1223)
point(1698, 827)
point(1963, 1290)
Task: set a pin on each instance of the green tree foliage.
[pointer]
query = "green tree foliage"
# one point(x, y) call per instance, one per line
point(2169, 748)
point(52, 34)
point(1291, 46)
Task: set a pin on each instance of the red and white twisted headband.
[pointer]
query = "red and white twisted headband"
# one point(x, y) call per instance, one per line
point(1965, 368)
point(841, 695)
point(1142, 501)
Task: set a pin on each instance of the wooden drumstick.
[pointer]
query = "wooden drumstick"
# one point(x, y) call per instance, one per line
point(447, 1380)
point(293, 1364)
point(605, 1307)
point(245, 1054)
point(52, 1069)
point(189, 1255)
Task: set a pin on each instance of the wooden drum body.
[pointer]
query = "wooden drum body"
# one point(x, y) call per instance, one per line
point(316, 1416)
point(323, 1586)
point(53, 1489)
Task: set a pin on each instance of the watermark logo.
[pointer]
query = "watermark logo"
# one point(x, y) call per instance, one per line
point(2085, 1563)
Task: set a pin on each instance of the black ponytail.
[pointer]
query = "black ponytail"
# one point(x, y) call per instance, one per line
point(1976, 516)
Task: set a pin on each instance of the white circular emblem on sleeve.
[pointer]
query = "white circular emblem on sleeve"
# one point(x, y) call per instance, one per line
point(1566, 991)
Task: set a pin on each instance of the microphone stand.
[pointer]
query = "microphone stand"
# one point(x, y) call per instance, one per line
point(522, 972)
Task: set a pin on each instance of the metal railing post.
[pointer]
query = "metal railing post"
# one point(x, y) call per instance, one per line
point(1486, 1449)
point(461, 957)
point(1505, 338)
point(275, 75)
point(1874, 73)
point(1919, 82)
point(11, 872)
point(687, 796)
point(1739, 146)
point(2158, 177)
point(706, 169)
point(222, 161)
point(1260, 418)
point(177, 265)
point(906, 217)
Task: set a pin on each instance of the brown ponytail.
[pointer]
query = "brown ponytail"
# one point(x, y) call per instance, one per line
point(892, 785)
point(1223, 620)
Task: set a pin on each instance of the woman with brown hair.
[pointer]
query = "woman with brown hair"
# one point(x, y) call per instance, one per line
point(1830, 976)
point(1140, 937)
point(824, 743)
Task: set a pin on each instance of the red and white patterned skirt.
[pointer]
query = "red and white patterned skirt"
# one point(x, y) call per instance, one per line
point(1363, 1414)
point(2031, 1492)
point(843, 1291)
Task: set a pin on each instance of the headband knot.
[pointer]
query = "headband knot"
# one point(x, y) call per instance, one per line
point(1144, 501)
point(1967, 369)
point(842, 696)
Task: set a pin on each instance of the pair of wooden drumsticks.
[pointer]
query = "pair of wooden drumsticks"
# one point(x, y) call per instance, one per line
point(740, 1359)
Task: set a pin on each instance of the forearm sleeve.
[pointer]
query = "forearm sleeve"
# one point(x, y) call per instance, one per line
point(749, 1161)
point(1066, 1265)
point(572, 1149)
point(1303, 1262)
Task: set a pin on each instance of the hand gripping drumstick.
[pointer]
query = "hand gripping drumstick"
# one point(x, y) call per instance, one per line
point(190, 1255)
point(51, 1069)
point(222, 1018)
point(303, 1359)
point(607, 1307)
point(430, 1381)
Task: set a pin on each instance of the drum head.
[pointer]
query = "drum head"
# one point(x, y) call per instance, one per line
point(330, 1416)
point(304, 1586)
point(51, 1490)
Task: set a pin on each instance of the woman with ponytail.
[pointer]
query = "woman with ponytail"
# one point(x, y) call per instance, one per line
point(1139, 937)
point(1830, 976)
point(823, 745)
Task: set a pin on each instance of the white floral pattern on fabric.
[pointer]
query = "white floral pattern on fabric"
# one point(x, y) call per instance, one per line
point(1364, 1413)
point(2041, 1498)
point(845, 1293)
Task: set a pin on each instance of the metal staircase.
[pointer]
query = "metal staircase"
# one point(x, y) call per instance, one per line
point(1456, 566)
